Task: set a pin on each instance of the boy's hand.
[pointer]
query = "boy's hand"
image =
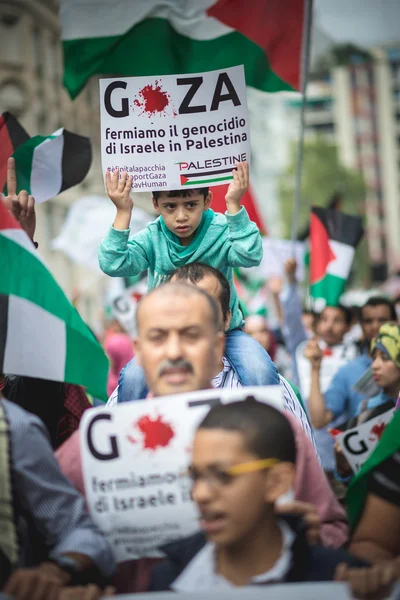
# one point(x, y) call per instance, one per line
point(119, 192)
point(237, 188)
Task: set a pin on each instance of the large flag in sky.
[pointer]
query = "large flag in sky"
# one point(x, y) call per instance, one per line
point(47, 166)
point(334, 237)
point(161, 37)
point(12, 135)
point(41, 333)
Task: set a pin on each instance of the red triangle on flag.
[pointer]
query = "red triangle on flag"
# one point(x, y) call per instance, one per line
point(7, 221)
point(321, 253)
point(183, 179)
point(248, 200)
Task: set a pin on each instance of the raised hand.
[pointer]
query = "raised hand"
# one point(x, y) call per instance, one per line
point(290, 269)
point(237, 188)
point(314, 353)
point(21, 206)
point(119, 190)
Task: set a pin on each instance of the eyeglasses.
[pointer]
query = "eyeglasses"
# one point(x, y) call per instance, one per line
point(218, 478)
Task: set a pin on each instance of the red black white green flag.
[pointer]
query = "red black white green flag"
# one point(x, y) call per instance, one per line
point(41, 333)
point(334, 237)
point(45, 165)
point(167, 37)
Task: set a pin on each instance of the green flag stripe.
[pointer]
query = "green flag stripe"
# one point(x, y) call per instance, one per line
point(138, 53)
point(40, 287)
point(330, 288)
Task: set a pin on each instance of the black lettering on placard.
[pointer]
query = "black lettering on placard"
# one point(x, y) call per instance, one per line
point(362, 447)
point(113, 440)
point(219, 97)
point(209, 401)
point(195, 84)
point(113, 112)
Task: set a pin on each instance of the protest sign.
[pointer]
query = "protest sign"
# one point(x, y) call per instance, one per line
point(358, 443)
point(135, 458)
point(328, 590)
point(275, 254)
point(175, 131)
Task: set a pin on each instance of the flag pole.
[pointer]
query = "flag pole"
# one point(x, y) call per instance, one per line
point(305, 65)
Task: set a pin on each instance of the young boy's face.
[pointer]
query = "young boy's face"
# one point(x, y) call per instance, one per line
point(182, 216)
point(232, 508)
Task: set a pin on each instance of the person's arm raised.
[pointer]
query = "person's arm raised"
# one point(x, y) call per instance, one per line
point(320, 415)
point(21, 206)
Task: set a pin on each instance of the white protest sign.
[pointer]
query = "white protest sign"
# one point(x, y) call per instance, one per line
point(135, 457)
point(175, 131)
point(358, 443)
point(275, 254)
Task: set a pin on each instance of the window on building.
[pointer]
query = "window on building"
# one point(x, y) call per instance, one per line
point(37, 51)
point(11, 39)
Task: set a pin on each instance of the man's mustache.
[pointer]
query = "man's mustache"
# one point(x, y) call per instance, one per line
point(175, 364)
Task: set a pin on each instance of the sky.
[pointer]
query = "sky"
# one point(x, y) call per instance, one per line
point(363, 22)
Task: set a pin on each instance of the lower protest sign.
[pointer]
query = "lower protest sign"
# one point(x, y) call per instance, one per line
point(135, 458)
point(175, 131)
point(358, 443)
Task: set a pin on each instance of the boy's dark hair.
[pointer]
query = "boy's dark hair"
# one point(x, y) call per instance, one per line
point(348, 315)
point(181, 193)
point(195, 272)
point(380, 301)
point(267, 432)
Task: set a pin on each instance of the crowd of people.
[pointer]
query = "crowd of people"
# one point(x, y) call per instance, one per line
point(277, 499)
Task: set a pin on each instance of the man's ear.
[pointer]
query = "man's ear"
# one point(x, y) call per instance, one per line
point(207, 201)
point(155, 205)
point(137, 351)
point(280, 480)
point(220, 346)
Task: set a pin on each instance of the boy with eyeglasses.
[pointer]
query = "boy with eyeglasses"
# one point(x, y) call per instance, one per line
point(243, 461)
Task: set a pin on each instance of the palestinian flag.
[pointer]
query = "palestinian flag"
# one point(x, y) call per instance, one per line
point(12, 135)
point(47, 166)
point(164, 37)
point(41, 333)
point(334, 237)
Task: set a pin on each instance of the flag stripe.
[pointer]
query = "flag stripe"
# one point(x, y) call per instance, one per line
point(46, 177)
point(341, 227)
point(3, 328)
point(76, 159)
point(180, 54)
point(91, 18)
point(330, 288)
point(341, 266)
point(47, 358)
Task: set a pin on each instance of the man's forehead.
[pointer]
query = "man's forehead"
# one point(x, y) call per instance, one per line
point(173, 310)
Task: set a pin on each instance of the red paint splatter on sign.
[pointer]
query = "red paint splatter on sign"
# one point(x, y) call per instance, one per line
point(152, 100)
point(157, 433)
point(377, 430)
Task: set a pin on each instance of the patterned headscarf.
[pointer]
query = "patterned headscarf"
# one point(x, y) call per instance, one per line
point(388, 341)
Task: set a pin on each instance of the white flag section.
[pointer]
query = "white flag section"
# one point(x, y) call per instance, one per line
point(135, 458)
point(358, 443)
point(275, 254)
point(175, 131)
point(87, 223)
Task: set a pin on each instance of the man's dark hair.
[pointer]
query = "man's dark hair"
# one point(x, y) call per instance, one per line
point(181, 193)
point(348, 315)
point(195, 272)
point(380, 301)
point(183, 289)
point(267, 432)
